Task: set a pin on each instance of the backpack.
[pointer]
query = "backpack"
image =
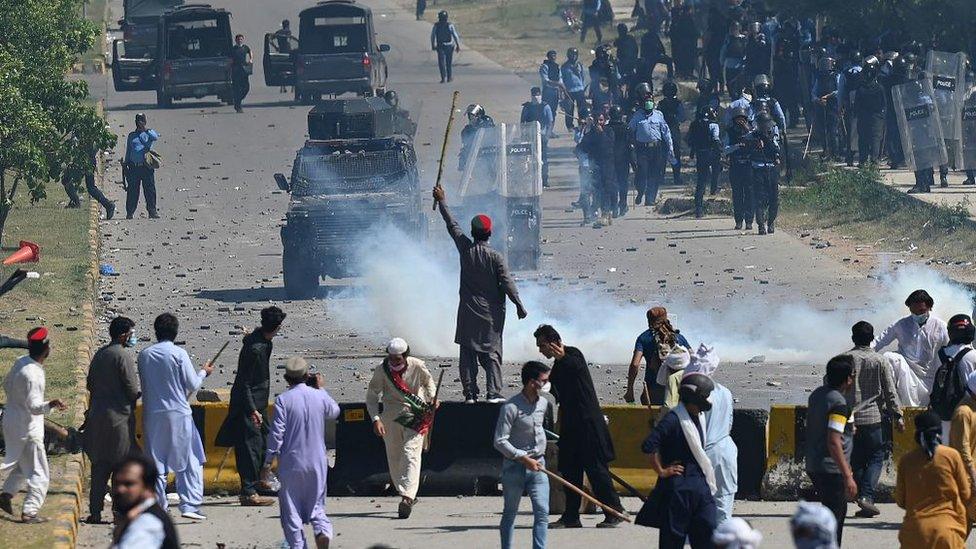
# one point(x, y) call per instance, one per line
point(948, 389)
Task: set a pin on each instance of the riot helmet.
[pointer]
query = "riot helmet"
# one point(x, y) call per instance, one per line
point(572, 54)
point(740, 112)
point(755, 28)
point(551, 54)
point(616, 114)
point(695, 389)
point(442, 16)
point(642, 90)
point(761, 86)
point(670, 89)
point(622, 29)
point(826, 64)
point(709, 114)
point(392, 98)
point(870, 67)
point(911, 65)
point(474, 112)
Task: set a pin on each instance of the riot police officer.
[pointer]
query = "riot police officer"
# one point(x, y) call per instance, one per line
point(894, 72)
point(652, 147)
point(827, 104)
point(740, 168)
point(674, 114)
point(623, 156)
point(574, 82)
point(869, 107)
point(764, 155)
point(537, 110)
point(445, 41)
point(477, 119)
point(706, 146)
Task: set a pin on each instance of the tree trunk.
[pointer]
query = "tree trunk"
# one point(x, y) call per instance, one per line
point(6, 200)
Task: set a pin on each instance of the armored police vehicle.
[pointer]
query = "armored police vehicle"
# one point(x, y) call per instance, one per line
point(357, 170)
point(138, 25)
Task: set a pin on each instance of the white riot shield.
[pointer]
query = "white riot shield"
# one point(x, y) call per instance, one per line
point(918, 124)
point(966, 151)
point(522, 160)
point(947, 72)
point(481, 163)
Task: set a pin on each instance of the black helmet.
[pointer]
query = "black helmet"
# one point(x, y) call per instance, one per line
point(740, 112)
point(961, 329)
point(616, 114)
point(392, 98)
point(761, 85)
point(474, 110)
point(572, 54)
point(643, 89)
point(826, 64)
point(442, 15)
point(670, 89)
point(695, 389)
point(709, 113)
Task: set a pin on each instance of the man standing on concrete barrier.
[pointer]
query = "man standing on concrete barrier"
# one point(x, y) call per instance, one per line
point(407, 390)
point(110, 422)
point(245, 428)
point(172, 441)
point(23, 429)
point(875, 380)
point(484, 284)
point(521, 438)
point(829, 433)
point(919, 336)
point(584, 440)
point(300, 416)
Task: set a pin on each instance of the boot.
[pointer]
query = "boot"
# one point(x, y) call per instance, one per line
point(917, 190)
point(748, 225)
point(738, 225)
point(943, 180)
point(762, 229)
point(769, 228)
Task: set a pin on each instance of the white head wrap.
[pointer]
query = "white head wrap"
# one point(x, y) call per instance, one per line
point(813, 526)
point(397, 346)
point(676, 361)
point(735, 533)
point(704, 360)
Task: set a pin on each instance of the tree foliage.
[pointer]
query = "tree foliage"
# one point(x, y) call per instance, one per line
point(47, 124)
point(943, 24)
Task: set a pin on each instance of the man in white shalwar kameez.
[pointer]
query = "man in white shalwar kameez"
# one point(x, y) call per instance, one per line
point(171, 439)
point(23, 429)
point(919, 336)
point(407, 391)
point(719, 446)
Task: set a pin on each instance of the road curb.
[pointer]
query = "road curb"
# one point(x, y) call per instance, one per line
point(66, 516)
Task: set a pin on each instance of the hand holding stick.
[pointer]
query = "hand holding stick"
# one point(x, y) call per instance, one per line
point(585, 496)
point(447, 134)
point(437, 392)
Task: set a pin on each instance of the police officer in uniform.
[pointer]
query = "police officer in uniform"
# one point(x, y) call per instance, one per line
point(674, 114)
point(477, 119)
point(849, 84)
point(869, 110)
point(552, 81)
point(574, 82)
point(764, 153)
point(827, 103)
point(627, 52)
point(894, 73)
point(623, 156)
point(740, 168)
point(536, 110)
point(706, 146)
point(445, 41)
point(652, 147)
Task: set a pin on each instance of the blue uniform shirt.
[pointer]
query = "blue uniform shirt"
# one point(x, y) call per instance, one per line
point(573, 77)
point(651, 128)
point(136, 145)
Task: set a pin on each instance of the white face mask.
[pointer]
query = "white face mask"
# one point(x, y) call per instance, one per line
point(537, 99)
point(132, 341)
point(545, 388)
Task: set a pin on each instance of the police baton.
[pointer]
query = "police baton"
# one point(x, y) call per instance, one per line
point(447, 134)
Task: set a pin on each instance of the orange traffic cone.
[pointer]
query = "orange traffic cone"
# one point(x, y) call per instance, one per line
point(28, 253)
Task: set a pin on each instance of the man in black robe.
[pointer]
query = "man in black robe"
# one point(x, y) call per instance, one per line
point(584, 440)
point(245, 428)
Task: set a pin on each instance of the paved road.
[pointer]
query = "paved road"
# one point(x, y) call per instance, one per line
point(448, 523)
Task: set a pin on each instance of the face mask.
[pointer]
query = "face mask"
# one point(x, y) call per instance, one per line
point(545, 387)
point(131, 342)
point(747, 97)
point(648, 105)
point(537, 99)
point(921, 319)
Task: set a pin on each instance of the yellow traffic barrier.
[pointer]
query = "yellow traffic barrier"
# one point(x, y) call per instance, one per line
point(629, 426)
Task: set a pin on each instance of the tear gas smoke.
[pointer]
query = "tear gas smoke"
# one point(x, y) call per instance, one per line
point(410, 291)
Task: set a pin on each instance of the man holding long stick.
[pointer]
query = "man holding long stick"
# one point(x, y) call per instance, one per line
point(408, 394)
point(584, 440)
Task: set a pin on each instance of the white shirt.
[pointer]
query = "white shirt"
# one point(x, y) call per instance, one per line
point(23, 417)
point(967, 365)
point(918, 344)
point(145, 532)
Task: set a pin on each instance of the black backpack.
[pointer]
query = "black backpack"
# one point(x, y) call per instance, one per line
point(948, 389)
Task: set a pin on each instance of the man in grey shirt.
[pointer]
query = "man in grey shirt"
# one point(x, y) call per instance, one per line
point(521, 438)
point(485, 283)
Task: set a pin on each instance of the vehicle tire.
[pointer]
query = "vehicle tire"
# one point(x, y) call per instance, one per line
point(301, 278)
point(163, 101)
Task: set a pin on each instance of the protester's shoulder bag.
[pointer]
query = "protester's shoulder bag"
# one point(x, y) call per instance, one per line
point(948, 389)
point(153, 159)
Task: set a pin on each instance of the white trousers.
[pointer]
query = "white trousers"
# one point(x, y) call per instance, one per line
point(403, 451)
point(912, 390)
point(32, 469)
point(189, 486)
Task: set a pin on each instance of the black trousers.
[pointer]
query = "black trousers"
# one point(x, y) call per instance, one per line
point(622, 173)
point(421, 8)
point(740, 179)
point(93, 191)
point(848, 128)
point(140, 176)
point(870, 131)
point(572, 463)
point(249, 455)
point(830, 487)
point(101, 472)
point(445, 60)
point(765, 192)
point(575, 102)
point(242, 85)
point(708, 166)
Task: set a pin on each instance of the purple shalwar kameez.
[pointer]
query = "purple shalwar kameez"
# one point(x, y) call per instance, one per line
point(297, 437)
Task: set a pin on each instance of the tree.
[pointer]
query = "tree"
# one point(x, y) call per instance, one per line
point(47, 124)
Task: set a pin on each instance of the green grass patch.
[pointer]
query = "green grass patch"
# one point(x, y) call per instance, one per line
point(98, 12)
point(859, 204)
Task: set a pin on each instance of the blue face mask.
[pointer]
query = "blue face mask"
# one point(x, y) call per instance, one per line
point(131, 342)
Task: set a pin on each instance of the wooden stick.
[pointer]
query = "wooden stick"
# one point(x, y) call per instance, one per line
point(447, 134)
point(633, 491)
point(437, 392)
point(585, 496)
point(214, 360)
point(222, 462)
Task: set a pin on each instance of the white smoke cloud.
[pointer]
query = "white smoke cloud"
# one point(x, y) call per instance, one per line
point(409, 290)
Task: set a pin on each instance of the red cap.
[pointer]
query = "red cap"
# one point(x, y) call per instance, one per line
point(37, 334)
point(481, 222)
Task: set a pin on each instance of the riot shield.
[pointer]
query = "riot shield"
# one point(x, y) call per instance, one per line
point(919, 125)
point(966, 151)
point(521, 189)
point(947, 73)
